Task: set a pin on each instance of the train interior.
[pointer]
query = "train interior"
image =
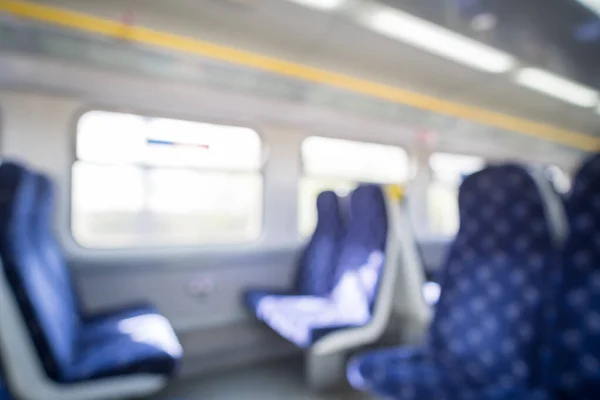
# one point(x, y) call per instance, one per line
point(299, 199)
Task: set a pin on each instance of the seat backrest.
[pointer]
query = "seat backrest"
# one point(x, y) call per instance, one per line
point(362, 253)
point(316, 267)
point(489, 316)
point(51, 319)
point(45, 242)
point(4, 392)
point(576, 343)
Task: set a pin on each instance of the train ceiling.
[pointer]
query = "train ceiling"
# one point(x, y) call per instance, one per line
point(334, 35)
point(561, 36)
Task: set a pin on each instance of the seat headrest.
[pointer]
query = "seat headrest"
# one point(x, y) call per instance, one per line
point(367, 211)
point(327, 199)
point(17, 194)
point(507, 188)
point(328, 204)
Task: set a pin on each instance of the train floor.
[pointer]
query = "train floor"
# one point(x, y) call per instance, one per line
point(274, 381)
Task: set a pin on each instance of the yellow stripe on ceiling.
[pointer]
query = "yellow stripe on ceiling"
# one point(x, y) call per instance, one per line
point(116, 29)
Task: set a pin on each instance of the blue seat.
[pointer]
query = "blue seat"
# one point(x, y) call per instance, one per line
point(71, 346)
point(576, 342)
point(93, 324)
point(316, 265)
point(482, 343)
point(4, 392)
point(315, 272)
point(354, 265)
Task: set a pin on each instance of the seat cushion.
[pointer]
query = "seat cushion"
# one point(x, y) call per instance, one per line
point(304, 319)
point(399, 373)
point(252, 298)
point(409, 373)
point(138, 344)
point(106, 322)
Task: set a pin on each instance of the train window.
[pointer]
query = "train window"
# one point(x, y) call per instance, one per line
point(339, 165)
point(142, 181)
point(448, 171)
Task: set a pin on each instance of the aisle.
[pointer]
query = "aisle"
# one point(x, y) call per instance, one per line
point(274, 381)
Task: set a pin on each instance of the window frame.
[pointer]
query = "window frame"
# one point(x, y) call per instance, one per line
point(264, 152)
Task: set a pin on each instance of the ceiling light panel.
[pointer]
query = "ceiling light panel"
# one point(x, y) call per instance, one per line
point(435, 39)
point(324, 5)
point(556, 86)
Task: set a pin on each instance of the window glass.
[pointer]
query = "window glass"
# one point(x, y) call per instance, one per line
point(349, 160)
point(141, 181)
point(340, 165)
point(448, 171)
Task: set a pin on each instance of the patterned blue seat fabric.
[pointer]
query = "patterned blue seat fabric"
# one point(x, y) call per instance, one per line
point(576, 344)
point(302, 319)
point(482, 342)
point(71, 346)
